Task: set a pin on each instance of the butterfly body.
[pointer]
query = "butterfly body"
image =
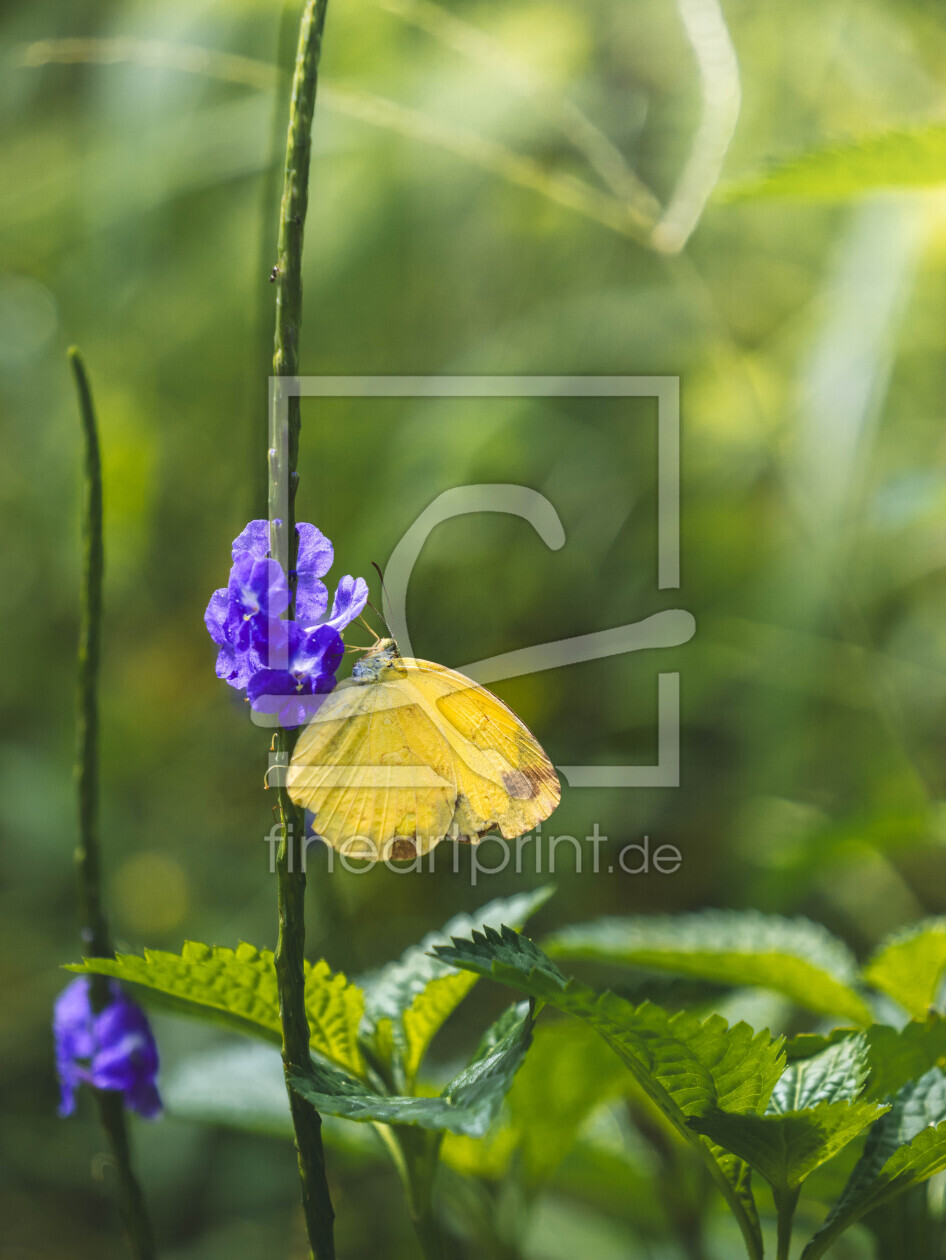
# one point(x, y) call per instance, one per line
point(406, 753)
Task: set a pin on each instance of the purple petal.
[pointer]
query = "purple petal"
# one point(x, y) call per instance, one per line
point(254, 539)
point(276, 691)
point(311, 598)
point(268, 688)
point(320, 652)
point(143, 1097)
point(271, 642)
point(315, 554)
point(236, 668)
point(216, 615)
point(113, 1049)
point(350, 599)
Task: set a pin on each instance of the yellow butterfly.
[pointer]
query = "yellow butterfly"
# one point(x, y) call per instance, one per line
point(406, 753)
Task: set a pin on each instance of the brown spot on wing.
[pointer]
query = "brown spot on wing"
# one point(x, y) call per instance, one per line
point(404, 850)
point(519, 784)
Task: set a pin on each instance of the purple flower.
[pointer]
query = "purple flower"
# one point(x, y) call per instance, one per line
point(238, 618)
point(258, 652)
point(311, 658)
point(114, 1049)
point(313, 560)
point(233, 666)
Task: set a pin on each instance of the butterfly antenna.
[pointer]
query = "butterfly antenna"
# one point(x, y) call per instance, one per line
point(384, 595)
point(376, 637)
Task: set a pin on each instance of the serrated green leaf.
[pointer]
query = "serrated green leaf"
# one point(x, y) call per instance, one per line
point(788, 1146)
point(904, 1148)
point(838, 1073)
point(907, 157)
point(796, 957)
point(909, 966)
point(418, 993)
point(687, 1066)
point(468, 1104)
point(237, 988)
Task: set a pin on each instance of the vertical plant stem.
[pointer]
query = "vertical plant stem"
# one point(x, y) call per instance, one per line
point(415, 1153)
point(271, 182)
point(96, 937)
point(283, 480)
point(422, 1150)
point(785, 1203)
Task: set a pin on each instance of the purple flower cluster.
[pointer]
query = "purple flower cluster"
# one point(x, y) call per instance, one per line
point(281, 665)
point(113, 1049)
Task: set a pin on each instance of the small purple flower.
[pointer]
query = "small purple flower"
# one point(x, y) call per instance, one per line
point(233, 666)
point(256, 593)
point(238, 618)
point(311, 659)
point(114, 1049)
point(313, 560)
point(277, 665)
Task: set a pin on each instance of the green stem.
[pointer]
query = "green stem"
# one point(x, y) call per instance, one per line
point(785, 1203)
point(415, 1153)
point(290, 981)
point(271, 181)
point(96, 937)
point(283, 480)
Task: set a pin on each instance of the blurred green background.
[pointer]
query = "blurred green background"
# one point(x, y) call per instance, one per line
point(137, 218)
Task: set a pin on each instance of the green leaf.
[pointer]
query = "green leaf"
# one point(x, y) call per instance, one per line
point(909, 966)
point(746, 949)
point(469, 1103)
point(687, 1066)
point(786, 1147)
point(901, 1055)
point(906, 1147)
point(237, 988)
point(408, 1001)
point(805, 1045)
point(837, 1074)
point(810, 1117)
point(907, 157)
point(568, 1074)
point(241, 1086)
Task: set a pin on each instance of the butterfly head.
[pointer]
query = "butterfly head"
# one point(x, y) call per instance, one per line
point(376, 659)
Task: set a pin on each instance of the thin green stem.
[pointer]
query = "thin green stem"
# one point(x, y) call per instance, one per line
point(785, 1204)
point(266, 249)
point(95, 932)
point(290, 980)
point(415, 1153)
point(283, 480)
point(96, 937)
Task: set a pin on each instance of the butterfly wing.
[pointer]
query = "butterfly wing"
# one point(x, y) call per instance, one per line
point(392, 766)
point(503, 777)
point(375, 771)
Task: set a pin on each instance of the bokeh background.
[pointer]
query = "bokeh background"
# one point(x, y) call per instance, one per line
point(473, 211)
